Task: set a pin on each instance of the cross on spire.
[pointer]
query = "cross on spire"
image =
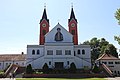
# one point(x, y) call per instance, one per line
point(44, 5)
point(71, 5)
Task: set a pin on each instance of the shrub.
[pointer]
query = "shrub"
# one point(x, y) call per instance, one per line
point(72, 68)
point(95, 68)
point(45, 68)
point(29, 69)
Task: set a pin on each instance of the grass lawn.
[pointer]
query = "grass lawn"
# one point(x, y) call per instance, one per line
point(59, 79)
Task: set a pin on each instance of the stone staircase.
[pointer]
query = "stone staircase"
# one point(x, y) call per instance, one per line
point(14, 69)
point(107, 70)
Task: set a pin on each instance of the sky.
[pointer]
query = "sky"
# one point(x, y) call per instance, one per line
point(19, 21)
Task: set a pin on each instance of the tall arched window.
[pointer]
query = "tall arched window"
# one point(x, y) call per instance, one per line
point(33, 52)
point(78, 51)
point(83, 51)
point(38, 52)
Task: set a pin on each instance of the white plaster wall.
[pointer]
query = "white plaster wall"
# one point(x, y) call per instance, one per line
point(4, 64)
point(63, 48)
point(86, 55)
point(116, 66)
point(50, 36)
point(39, 62)
point(29, 52)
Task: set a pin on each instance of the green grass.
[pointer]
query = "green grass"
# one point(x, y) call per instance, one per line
point(59, 79)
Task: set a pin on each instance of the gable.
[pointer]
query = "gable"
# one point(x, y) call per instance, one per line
point(58, 34)
point(107, 57)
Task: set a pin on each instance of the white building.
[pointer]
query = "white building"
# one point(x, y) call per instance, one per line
point(7, 59)
point(58, 47)
point(111, 62)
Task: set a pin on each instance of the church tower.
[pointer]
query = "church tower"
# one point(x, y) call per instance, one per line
point(72, 24)
point(44, 27)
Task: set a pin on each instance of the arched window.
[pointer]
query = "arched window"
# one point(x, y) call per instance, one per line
point(83, 51)
point(38, 52)
point(78, 51)
point(33, 52)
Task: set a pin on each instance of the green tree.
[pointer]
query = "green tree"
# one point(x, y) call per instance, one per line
point(95, 69)
point(117, 16)
point(72, 68)
point(95, 48)
point(117, 38)
point(103, 42)
point(98, 47)
point(45, 68)
point(112, 50)
point(29, 69)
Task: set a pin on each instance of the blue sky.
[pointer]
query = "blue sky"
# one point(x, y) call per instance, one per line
point(19, 20)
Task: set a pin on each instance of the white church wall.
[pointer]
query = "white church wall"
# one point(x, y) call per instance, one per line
point(34, 47)
point(38, 63)
point(86, 48)
point(63, 48)
point(84, 59)
point(50, 36)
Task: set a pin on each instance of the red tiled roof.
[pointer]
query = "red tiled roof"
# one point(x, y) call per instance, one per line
point(12, 57)
point(107, 57)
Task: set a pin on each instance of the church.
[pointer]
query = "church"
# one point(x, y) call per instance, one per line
point(58, 48)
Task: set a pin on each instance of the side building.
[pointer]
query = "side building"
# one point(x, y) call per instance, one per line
point(112, 63)
point(8, 59)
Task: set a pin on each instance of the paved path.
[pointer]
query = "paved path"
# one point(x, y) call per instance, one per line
point(7, 79)
point(116, 78)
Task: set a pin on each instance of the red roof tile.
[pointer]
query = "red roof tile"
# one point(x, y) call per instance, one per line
point(12, 57)
point(107, 57)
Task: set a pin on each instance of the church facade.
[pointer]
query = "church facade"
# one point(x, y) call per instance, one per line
point(58, 48)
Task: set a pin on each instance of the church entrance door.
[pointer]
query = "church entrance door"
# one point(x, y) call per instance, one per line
point(58, 65)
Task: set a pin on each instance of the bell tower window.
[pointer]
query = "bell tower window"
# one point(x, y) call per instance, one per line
point(44, 32)
point(73, 32)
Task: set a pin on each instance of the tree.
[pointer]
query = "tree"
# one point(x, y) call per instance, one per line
point(95, 48)
point(45, 68)
point(112, 50)
point(95, 68)
point(117, 16)
point(72, 68)
point(117, 38)
point(29, 69)
point(98, 47)
point(103, 42)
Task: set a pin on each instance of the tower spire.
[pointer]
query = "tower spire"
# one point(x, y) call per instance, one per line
point(44, 26)
point(72, 15)
point(72, 25)
point(44, 16)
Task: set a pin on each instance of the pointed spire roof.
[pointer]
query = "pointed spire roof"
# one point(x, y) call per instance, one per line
point(44, 16)
point(72, 15)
